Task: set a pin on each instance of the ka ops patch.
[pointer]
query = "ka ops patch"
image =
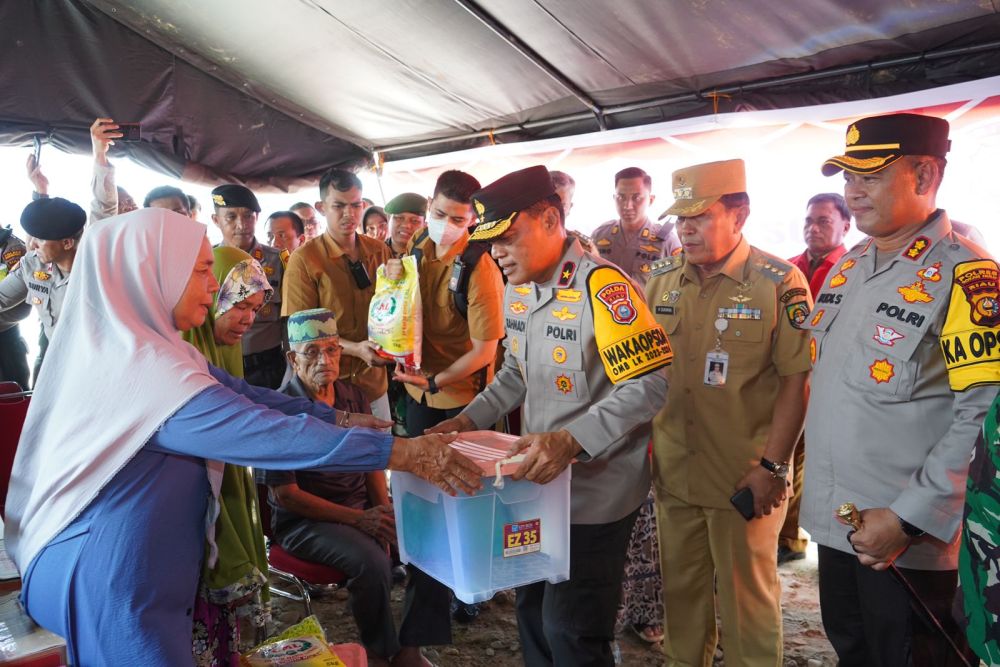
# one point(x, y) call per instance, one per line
point(628, 338)
point(969, 340)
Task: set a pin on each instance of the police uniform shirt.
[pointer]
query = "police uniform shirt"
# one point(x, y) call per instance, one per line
point(635, 253)
point(883, 426)
point(40, 285)
point(446, 334)
point(267, 332)
point(12, 249)
point(707, 437)
point(318, 276)
point(584, 354)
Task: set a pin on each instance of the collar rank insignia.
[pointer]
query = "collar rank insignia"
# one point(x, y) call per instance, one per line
point(886, 335)
point(523, 290)
point(566, 274)
point(645, 233)
point(615, 229)
point(917, 249)
point(42, 275)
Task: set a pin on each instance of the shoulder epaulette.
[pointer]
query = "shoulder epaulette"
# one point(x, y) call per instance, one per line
point(773, 268)
point(665, 265)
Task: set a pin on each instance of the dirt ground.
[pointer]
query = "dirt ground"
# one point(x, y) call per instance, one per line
point(491, 640)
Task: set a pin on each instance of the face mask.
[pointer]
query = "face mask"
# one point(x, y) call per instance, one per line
point(443, 232)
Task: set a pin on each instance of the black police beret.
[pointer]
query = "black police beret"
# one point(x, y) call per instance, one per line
point(235, 196)
point(52, 219)
point(498, 204)
point(875, 142)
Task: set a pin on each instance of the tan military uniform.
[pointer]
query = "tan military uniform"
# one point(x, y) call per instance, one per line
point(267, 332)
point(634, 253)
point(318, 277)
point(446, 333)
point(707, 438)
point(884, 427)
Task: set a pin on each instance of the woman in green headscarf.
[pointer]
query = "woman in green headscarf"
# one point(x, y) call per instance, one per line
point(234, 578)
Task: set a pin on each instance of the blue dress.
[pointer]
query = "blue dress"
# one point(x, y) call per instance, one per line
point(119, 582)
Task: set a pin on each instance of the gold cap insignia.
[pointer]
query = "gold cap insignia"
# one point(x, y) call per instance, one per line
point(218, 200)
point(853, 136)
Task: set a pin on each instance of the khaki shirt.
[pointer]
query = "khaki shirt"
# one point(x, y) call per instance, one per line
point(447, 334)
point(38, 284)
point(707, 438)
point(883, 428)
point(635, 253)
point(584, 354)
point(267, 331)
point(318, 277)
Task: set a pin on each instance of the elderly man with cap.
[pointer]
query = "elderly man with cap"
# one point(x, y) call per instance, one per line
point(406, 215)
point(345, 520)
point(40, 279)
point(732, 417)
point(236, 210)
point(633, 242)
point(13, 350)
point(585, 358)
point(337, 271)
point(898, 443)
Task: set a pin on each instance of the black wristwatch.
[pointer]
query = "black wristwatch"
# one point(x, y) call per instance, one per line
point(910, 529)
point(776, 469)
point(432, 387)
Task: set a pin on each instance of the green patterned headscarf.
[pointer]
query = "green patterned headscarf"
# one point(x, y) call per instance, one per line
point(240, 571)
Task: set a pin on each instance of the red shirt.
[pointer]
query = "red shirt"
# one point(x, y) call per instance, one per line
point(817, 275)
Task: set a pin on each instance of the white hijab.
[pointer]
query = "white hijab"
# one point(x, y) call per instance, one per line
point(115, 370)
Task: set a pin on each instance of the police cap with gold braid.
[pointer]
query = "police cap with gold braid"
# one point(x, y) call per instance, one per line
point(875, 142)
point(498, 204)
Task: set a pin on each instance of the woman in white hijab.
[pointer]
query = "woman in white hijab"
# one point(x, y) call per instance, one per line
point(107, 506)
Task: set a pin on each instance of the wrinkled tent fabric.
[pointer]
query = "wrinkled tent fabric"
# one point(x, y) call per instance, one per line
point(273, 93)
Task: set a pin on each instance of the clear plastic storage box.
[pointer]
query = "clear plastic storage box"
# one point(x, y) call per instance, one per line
point(498, 538)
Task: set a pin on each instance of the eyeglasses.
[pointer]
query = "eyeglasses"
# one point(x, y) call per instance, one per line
point(313, 353)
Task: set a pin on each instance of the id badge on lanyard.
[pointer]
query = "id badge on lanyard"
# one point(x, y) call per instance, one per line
point(717, 361)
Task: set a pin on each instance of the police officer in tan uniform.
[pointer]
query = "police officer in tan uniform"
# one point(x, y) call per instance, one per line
point(41, 279)
point(898, 444)
point(633, 242)
point(13, 350)
point(336, 270)
point(236, 211)
point(585, 359)
point(732, 417)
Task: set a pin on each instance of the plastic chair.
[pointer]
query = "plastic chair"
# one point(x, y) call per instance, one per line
point(300, 574)
point(13, 409)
